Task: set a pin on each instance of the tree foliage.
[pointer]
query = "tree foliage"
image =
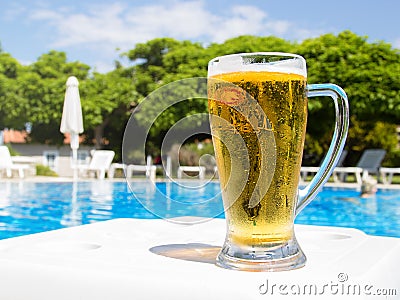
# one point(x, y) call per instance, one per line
point(370, 75)
point(369, 72)
point(106, 102)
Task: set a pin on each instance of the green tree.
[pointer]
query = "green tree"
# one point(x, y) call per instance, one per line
point(165, 60)
point(157, 63)
point(370, 75)
point(9, 66)
point(369, 72)
point(42, 89)
point(149, 69)
point(106, 103)
point(9, 90)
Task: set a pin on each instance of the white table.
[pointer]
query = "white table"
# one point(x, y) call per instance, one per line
point(156, 259)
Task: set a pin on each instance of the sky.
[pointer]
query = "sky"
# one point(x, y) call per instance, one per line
point(96, 32)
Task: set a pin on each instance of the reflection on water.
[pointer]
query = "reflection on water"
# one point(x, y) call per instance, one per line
point(27, 207)
point(100, 197)
point(174, 199)
point(72, 216)
point(101, 191)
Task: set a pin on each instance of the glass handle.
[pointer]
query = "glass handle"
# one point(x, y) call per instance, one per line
point(339, 98)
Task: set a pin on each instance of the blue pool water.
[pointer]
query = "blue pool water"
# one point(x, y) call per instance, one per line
point(28, 207)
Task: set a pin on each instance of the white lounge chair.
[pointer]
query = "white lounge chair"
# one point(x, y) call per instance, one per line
point(196, 169)
point(7, 164)
point(389, 172)
point(305, 171)
point(100, 163)
point(148, 169)
point(369, 163)
point(165, 165)
point(115, 166)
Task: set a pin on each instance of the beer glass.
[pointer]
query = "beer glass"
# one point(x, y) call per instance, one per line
point(258, 114)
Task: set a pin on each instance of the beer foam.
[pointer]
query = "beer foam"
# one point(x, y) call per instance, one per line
point(294, 64)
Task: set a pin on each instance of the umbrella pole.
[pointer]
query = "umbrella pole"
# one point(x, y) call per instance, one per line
point(75, 163)
point(74, 146)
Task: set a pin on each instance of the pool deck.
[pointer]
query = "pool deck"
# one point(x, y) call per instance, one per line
point(159, 259)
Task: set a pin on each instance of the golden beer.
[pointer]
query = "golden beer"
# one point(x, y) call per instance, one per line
point(258, 122)
point(258, 115)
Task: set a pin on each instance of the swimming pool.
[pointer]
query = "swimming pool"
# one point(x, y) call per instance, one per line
point(30, 207)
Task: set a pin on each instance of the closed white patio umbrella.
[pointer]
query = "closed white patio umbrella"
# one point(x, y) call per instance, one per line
point(71, 121)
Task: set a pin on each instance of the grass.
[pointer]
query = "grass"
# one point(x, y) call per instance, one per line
point(45, 171)
point(396, 179)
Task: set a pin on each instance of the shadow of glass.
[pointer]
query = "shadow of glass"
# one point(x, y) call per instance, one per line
point(196, 252)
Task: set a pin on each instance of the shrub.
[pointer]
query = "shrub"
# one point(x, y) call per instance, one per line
point(45, 171)
point(369, 134)
point(13, 152)
point(193, 154)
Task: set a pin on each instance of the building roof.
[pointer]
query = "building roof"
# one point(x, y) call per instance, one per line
point(14, 136)
point(19, 137)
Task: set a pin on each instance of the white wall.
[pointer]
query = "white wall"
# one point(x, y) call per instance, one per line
point(63, 162)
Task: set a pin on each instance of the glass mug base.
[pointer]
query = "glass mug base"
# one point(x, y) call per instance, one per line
point(278, 257)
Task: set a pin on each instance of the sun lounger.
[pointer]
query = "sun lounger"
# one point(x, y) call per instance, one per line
point(389, 172)
point(195, 169)
point(100, 163)
point(7, 164)
point(165, 164)
point(369, 163)
point(149, 170)
point(305, 171)
point(115, 166)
